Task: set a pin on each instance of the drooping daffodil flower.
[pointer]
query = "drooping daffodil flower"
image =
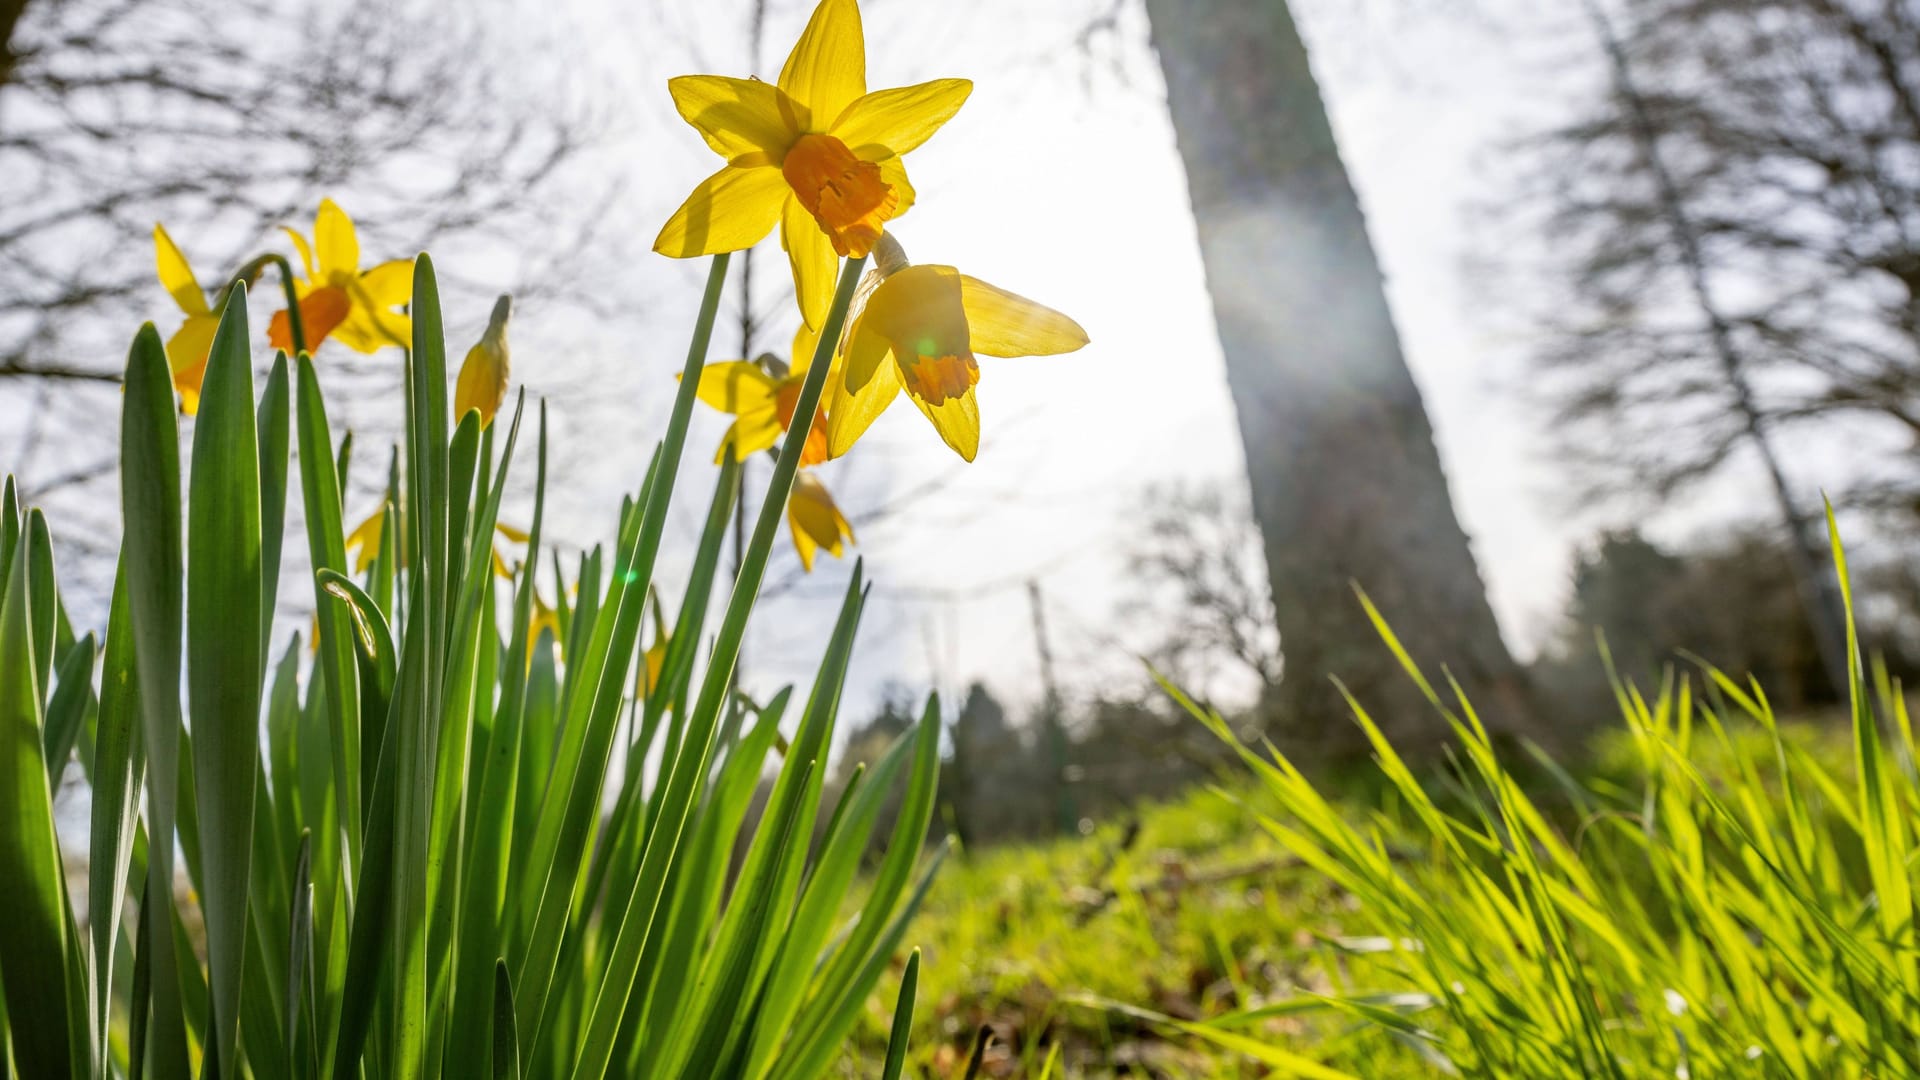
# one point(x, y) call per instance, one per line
point(483, 376)
point(920, 330)
point(337, 299)
point(188, 347)
point(816, 521)
point(815, 153)
point(763, 404)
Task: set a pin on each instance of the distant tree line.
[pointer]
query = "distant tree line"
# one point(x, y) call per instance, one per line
point(1721, 254)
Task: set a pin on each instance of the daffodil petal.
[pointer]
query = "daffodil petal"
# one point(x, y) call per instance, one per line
point(1003, 324)
point(389, 285)
point(852, 412)
point(867, 351)
point(957, 419)
point(739, 116)
point(730, 210)
point(367, 331)
point(334, 240)
point(365, 538)
point(187, 358)
point(894, 172)
point(887, 123)
point(803, 542)
point(815, 521)
point(814, 263)
point(806, 342)
point(375, 324)
point(322, 312)
point(827, 70)
point(175, 275)
point(736, 386)
point(750, 434)
point(306, 252)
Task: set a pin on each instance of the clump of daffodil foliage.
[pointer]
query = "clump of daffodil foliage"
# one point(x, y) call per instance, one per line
point(459, 830)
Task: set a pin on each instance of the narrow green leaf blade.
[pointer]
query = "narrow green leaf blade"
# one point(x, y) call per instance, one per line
point(150, 512)
point(117, 768)
point(226, 659)
point(902, 1020)
point(35, 929)
point(506, 1048)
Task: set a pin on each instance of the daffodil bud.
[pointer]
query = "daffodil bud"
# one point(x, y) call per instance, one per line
point(483, 377)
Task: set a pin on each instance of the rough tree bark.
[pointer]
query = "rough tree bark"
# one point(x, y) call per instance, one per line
point(1347, 485)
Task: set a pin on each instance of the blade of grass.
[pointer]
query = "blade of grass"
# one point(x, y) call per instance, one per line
point(1884, 831)
point(903, 1022)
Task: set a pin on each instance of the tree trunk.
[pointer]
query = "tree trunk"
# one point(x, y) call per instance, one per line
point(1347, 485)
point(10, 12)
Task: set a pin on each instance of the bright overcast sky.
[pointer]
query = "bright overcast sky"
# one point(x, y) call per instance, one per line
point(1059, 180)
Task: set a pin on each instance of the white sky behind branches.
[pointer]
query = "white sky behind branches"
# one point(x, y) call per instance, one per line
point(1059, 180)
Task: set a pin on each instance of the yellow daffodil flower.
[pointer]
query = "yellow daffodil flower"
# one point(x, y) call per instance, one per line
point(188, 347)
point(816, 522)
point(513, 536)
point(365, 539)
point(544, 617)
point(815, 153)
point(337, 299)
point(920, 329)
point(363, 543)
point(541, 618)
point(763, 405)
point(483, 377)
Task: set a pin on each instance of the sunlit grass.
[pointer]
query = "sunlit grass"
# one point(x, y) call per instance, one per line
point(1706, 895)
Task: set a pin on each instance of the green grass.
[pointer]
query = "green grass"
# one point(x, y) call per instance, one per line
point(436, 846)
point(1714, 894)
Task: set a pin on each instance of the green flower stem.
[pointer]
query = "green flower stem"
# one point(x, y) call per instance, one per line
point(297, 328)
point(250, 273)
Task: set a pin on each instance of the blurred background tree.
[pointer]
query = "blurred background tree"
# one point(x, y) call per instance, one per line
point(1347, 485)
point(1731, 236)
point(228, 120)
